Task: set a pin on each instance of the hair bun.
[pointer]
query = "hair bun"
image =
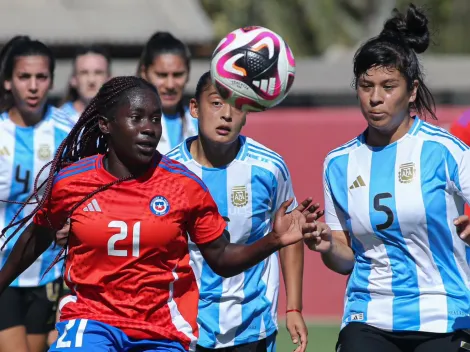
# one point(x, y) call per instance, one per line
point(411, 29)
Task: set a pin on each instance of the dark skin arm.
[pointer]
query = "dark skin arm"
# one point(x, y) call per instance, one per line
point(31, 244)
point(229, 259)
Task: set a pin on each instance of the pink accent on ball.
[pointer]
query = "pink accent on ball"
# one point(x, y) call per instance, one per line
point(241, 101)
point(228, 40)
point(290, 56)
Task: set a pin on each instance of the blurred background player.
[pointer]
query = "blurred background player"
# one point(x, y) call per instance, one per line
point(30, 132)
point(165, 63)
point(132, 289)
point(391, 197)
point(248, 182)
point(91, 69)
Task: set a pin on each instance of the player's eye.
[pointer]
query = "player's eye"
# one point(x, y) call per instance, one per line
point(388, 87)
point(156, 119)
point(217, 103)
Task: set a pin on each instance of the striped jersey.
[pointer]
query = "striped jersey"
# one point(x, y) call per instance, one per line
point(173, 131)
point(69, 110)
point(23, 152)
point(248, 191)
point(398, 204)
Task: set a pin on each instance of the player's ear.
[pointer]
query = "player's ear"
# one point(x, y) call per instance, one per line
point(194, 108)
point(103, 124)
point(73, 82)
point(7, 85)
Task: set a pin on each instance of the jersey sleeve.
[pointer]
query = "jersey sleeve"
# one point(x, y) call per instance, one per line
point(284, 191)
point(334, 216)
point(54, 212)
point(205, 223)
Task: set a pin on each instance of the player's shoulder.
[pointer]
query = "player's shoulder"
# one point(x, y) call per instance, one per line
point(181, 173)
point(439, 138)
point(265, 157)
point(77, 171)
point(343, 150)
point(178, 153)
point(60, 119)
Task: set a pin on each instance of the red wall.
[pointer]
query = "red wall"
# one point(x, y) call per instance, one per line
point(304, 137)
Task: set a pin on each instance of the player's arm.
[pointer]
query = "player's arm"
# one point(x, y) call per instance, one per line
point(334, 245)
point(229, 259)
point(34, 241)
point(291, 257)
point(339, 257)
point(206, 227)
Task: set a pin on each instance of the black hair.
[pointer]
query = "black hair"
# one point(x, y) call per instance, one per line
point(72, 93)
point(203, 83)
point(163, 43)
point(19, 46)
point(397, 46)
point(84, 140)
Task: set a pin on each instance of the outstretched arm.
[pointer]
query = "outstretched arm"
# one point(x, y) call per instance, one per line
point(31, 244)
point(229, 259)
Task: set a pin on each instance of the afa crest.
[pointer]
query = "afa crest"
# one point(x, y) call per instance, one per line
point(406, 173)
point(159, 205)
point(239, 196)
point(44, 152)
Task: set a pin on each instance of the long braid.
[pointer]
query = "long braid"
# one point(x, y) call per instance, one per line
point(84, 140)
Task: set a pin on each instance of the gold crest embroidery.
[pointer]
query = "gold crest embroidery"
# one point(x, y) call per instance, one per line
point(239, 196)
point(406, 172)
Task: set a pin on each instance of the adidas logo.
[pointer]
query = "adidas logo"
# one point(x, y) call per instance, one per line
point(359, 182)
point(93, 206)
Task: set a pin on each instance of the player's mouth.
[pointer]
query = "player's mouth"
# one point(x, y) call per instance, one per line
point(377, 115)
point(223, 130)
point(147, 147)
point(32, 101)
point(170, 97)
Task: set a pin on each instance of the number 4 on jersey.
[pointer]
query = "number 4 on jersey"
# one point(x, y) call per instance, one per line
point(122, 235)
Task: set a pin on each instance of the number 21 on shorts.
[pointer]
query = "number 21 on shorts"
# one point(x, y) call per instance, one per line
point(122, 235)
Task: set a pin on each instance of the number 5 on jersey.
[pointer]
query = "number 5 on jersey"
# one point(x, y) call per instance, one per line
point(122, 235)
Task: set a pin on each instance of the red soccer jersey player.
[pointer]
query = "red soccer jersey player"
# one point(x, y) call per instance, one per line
point(113, 231)
point(131, 213)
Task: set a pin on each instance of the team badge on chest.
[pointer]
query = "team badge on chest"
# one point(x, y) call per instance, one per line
point(239, 196)
point(44, 152)
point(406, 172)
point(159, 205)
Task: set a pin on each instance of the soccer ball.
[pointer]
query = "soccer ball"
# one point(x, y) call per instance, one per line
point(253, 68)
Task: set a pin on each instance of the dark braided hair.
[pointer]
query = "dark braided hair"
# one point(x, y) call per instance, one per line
point(84, 140)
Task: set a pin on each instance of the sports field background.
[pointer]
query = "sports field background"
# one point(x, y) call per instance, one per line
point(321, 337)
point(303, 137)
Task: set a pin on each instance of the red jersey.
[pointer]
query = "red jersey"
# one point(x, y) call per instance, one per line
point(128, 261)
point(460, 128)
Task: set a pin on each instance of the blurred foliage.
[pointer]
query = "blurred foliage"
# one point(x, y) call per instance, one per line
point(313, 27)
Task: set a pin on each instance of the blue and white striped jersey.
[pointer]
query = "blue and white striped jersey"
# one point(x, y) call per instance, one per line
point(69, 110)
point(398, 204)
point(174, 132)
point(23, 152)
point(248, 192)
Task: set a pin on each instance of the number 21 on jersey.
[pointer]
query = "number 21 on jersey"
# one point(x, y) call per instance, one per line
point(122, 235)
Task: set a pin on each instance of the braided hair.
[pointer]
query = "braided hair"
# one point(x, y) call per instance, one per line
point(84, 140)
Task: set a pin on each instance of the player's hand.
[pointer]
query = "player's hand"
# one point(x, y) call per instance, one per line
point(320, 240)
point(289, 228)
point(297, 330)
point(63, 234)
point(462, 223)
